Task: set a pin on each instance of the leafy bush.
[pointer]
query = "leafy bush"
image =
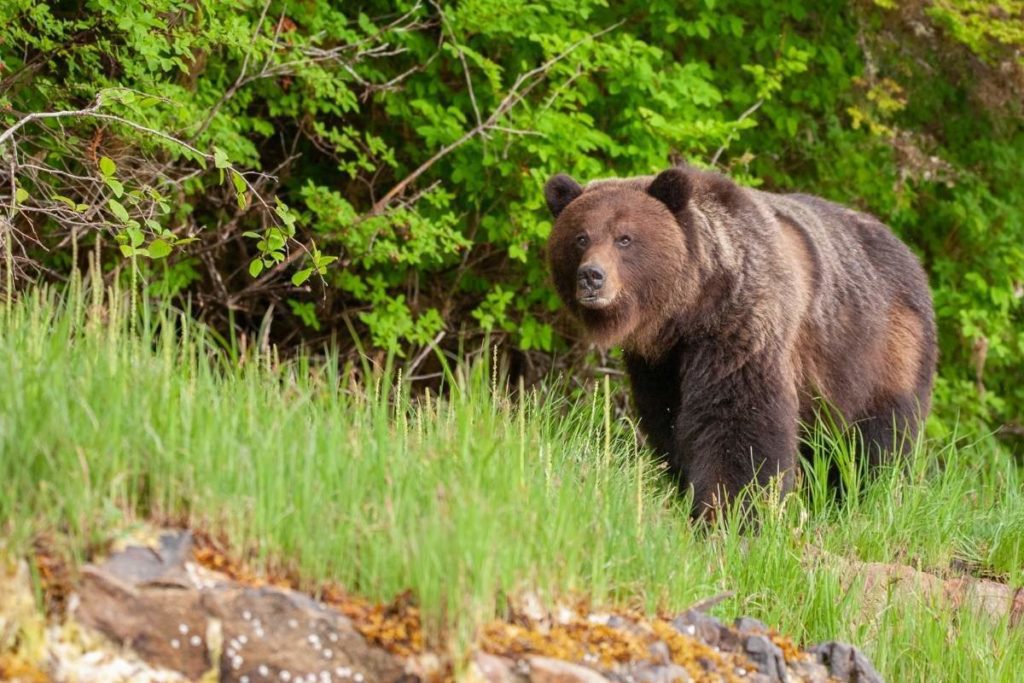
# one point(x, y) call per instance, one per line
point(378, 165)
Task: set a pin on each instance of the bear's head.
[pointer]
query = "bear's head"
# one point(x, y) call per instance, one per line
point(618, 253)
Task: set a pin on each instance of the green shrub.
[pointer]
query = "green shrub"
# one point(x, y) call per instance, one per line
point(377, 165)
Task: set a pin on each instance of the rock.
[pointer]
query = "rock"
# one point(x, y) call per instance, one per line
point(152, 601)
point(274, 631)
point(547, 670)
point(488, 668)
point(706, 629)
point(809, 672)
point(616, 621)
point(164, 625)
point(750, 625)
point(74, 655)
point(667, 673)
point(163, 565)
point(879, 584)
point(660, 653)
point(767, 656)
point(425, 666)
point(845, 663)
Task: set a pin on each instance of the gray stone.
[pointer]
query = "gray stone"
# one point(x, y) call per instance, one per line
point(767, 656)
point(750, 625)
point(280, 630)
point(845, 663)
point(547, 670)
point(706, 629)
point(809, 672)
point(488, 668)
point(615, 621)
point(147, 600)
point(164, 625)
point(660, 653)
point(672, 673)
point(163, 565)
point(665, 673)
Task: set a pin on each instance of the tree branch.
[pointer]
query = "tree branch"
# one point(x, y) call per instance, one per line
point(523, 84)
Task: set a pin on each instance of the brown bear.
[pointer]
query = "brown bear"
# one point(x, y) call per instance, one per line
point(739, 313)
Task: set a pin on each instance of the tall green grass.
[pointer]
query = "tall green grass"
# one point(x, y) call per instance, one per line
point(335, 472)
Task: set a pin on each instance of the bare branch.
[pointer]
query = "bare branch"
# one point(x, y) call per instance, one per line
point(732, 135)
point(523, 84)
point(241, 80)
point(462, 58)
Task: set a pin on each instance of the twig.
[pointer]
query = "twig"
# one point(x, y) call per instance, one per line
point(707, 603)
point(240, 81)
point(462, 58)
point(749, 112)
point(516, 93)
point(423, 354)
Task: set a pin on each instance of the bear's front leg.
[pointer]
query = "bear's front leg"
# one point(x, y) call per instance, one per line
point(735, 428)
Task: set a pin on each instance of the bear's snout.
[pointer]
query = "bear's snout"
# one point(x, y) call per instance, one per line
point(594, 287)
point(590, 277)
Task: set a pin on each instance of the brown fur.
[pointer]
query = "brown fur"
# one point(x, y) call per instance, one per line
point(899, 362)
point(740, 310)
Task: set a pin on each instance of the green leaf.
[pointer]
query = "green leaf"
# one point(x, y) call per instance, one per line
point(159, 249)
point(220, 158)
point(252, 235)
point(135, 236)
point(240, 187)
point(301, 276)
point(127, 250)
point(115, 185)
point(107, 166)
point(256, 267)
point(65, 200)
point(118, 210)
point(239, 182)
point(20, 195)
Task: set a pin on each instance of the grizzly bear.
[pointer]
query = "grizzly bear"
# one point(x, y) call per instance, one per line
point(741, 313)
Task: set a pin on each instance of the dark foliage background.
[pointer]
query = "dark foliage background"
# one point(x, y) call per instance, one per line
point(298, 170)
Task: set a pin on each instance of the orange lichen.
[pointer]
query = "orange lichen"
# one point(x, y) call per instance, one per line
point(17, 670)
point(703, 662)
point(397, 626)
point(578, 639)
point(54, 574)
point(790, 651)
point(513, 640)
point(210, 554)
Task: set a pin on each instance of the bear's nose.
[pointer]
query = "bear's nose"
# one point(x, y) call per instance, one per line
point(590, 276)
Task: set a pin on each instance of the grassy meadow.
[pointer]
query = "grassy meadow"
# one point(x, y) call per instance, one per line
point(336, 473)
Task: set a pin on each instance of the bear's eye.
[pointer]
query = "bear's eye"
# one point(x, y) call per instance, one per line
point(624, 241)
point(582, 241)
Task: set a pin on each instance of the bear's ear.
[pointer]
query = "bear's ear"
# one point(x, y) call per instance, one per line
point(559, 191)
point(672, 188)
point(725, 191)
